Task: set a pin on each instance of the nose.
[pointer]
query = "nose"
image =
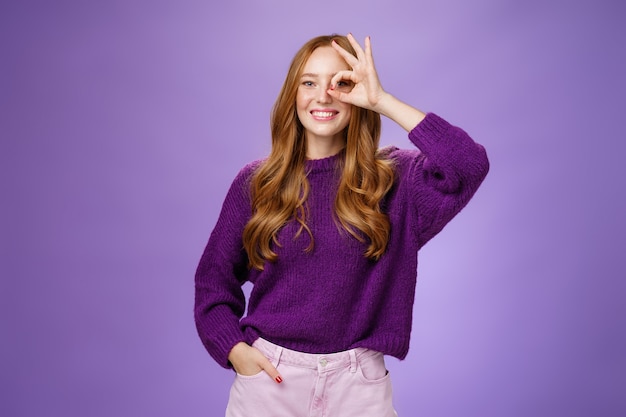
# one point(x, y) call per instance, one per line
point(323, 96)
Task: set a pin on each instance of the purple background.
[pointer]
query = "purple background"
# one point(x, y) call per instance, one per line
point(123, 123)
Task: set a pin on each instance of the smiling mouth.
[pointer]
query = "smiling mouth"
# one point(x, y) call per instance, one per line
point(323, 114)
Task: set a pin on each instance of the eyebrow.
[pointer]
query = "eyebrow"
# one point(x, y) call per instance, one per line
point(310, 74)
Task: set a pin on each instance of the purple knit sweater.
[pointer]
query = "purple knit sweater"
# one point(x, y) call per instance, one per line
point(333, 298)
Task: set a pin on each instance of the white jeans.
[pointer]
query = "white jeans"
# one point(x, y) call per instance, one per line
point(353, 383)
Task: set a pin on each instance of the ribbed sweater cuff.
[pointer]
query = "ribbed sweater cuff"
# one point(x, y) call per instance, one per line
point(429, 131)
point(220, 331)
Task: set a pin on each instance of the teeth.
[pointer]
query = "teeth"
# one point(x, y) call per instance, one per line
point(322, 113)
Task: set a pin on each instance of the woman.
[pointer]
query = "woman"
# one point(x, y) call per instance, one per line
point(328, 228)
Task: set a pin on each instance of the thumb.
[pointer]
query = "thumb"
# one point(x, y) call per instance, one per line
point(271, 370)
point(338, 95)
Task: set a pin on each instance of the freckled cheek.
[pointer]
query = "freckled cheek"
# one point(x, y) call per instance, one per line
point(347, 114)
point(302, 100)
point(300, 104)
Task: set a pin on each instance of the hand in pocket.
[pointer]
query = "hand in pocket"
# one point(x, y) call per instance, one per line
point(249, 361)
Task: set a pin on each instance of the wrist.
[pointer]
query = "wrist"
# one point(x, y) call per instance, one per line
point(236, 351)
point(403, 114)
point(384, 104)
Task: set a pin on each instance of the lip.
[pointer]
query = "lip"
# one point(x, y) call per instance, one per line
point(323, 114)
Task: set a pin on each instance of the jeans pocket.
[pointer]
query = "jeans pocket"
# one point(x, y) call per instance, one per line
point(372, 368)
point(255, 376)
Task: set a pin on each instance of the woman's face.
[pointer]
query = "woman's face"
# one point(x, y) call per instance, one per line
point(323, 117)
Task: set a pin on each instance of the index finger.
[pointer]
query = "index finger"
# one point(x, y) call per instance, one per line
point(271, 370)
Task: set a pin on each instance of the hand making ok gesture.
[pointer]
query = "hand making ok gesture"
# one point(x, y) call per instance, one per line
point(367, 92)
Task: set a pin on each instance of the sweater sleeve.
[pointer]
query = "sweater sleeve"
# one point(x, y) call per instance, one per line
point(222, 270)
point(446, 176)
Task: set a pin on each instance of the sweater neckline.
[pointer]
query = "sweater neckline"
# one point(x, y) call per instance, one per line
point(324, 164)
